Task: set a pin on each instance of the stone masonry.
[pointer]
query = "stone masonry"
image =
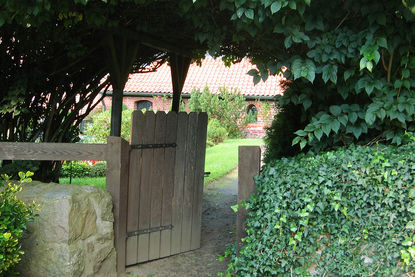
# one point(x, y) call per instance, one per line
point(73, 234)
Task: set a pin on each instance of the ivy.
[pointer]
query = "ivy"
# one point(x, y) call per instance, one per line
point(349, 212)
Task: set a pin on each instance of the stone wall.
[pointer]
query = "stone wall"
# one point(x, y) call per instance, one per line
point(73, 234)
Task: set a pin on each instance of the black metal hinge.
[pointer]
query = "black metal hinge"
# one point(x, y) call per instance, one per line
point(150, 230)
point(152, 145)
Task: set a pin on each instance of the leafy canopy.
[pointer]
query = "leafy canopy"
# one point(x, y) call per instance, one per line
point(349, 64)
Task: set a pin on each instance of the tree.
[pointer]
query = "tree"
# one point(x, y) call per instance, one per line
point(351, 72)
point(56, 58)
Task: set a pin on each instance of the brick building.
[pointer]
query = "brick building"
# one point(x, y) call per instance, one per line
point(154, 89)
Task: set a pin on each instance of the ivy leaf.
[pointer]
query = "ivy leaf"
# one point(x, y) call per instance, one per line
point(249, 14)
point(275, 7)
point(297, 67)
point(303, 143)
point(318, 133)
point(335, 126)
point(356, 131)
point(253, 72)
point(240, 12)
point(335, 110)
point(307, 103)
point(370, 117)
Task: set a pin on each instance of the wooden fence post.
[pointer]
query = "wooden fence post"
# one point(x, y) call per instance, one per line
point(249, 165)
point(118, 157)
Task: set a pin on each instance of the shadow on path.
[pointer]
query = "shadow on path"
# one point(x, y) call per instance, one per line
point(218, 231)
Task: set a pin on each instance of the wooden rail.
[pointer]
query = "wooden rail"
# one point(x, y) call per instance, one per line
point(52, 151)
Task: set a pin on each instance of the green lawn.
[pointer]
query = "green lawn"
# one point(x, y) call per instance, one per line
point(220, 160)
point(87, 181)
point(223, 158)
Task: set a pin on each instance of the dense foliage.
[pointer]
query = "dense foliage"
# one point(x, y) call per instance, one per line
point(350, 72)
point(349, 212)
point(14, 215)
point(98, 130)
point(229, 107)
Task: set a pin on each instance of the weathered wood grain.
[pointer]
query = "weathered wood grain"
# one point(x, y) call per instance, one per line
point(157, 185)
point(189, 182)
point(198, 180)
point(249, 165)
point(137, 133)
point(180, 161)
point(117, 185)
point(52, 151)
point(168, 185)
point(145, 189)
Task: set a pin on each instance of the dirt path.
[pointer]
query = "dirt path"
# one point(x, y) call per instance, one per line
point(218, 230)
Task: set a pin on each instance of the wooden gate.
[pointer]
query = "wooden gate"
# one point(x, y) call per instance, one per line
point(165, 187)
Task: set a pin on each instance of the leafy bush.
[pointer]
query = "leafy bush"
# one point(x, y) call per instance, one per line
point(228, 107)
point(98, 169)
point(75, 169)
point(83, 169)
point(14, 215)
point(99, 130)
point(349, 212)
point(216, 133)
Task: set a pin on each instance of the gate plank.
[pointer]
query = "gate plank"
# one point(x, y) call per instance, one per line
point(168, 185)
point(180, 160)
point(198, 181)
point(137, 133)
point(189, 182)
point(145, 204)
point(157, 185)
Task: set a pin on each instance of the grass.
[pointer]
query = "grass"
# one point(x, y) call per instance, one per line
point(220, 160)
point(86, 181)
point(223, 158)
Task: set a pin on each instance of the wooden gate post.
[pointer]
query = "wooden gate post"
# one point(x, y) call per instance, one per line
point(249, 165)
point(118, 157)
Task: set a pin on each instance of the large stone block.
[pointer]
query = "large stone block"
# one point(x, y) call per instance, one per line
point(73, 234)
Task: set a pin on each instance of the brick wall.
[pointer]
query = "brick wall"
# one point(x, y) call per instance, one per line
point(253, 130)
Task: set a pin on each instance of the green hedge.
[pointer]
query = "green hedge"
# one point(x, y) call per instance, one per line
point(350, 212)
point(80, 169)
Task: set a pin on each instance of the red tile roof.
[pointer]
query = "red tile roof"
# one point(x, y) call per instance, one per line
point(212, 73)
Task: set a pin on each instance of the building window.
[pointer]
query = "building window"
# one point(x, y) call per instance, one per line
point(144, 105)
point(253, 112)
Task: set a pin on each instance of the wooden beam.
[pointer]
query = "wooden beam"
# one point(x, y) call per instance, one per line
point(249, 165)
point(52, 151)
point(179, 67)
point(117, 185)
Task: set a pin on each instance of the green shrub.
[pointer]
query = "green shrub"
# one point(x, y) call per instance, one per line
point(14, 215)
point(216, 133)
point(98, 169)
point(349, 212)
point(75, 169)
point(229, 107)
point(81, 169)
point(99, 130)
